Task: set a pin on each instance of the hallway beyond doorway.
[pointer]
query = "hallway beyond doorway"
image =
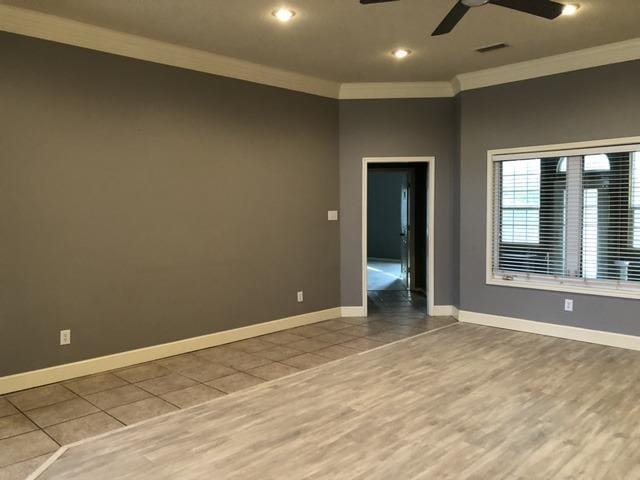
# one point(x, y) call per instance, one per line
point(385, 275)
point(411, 231)
point(398, 304)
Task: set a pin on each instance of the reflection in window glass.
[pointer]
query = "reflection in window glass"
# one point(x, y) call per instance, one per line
point(590, 234)
point(520, 222)
point(635, 197)
point(592, 163)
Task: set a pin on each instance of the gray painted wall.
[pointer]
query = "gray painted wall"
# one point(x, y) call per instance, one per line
point(383, 207)
point(143, 204)
point(592, 104)
point(388, 128)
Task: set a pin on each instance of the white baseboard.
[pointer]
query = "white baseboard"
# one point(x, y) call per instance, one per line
point(35, 378)
point(599, 337)
point(352, 312)
point(444, 311)
point(437, 311)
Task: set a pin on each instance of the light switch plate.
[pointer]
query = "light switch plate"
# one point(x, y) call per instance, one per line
point(332, 215)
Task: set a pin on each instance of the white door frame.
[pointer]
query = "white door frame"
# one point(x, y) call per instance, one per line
point(431, 196)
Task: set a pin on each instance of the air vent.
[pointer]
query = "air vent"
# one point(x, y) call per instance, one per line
point(491, 48)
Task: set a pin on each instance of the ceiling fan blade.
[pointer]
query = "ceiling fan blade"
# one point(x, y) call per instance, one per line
point(541, 8)
point(367, 2)
point(451, 20)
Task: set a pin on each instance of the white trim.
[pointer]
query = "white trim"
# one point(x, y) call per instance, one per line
point(599, 337)
point(372, 90)
point(50, 461)
point(606, 142)
point(623, 145)
point(431, 194)
point(58, 29)
point(353, 312)
point(35, 378)
point(50, 27)
point(562, 149)
point(542, 67)
point(445, 311)
point(389, 260)
point(568, 286)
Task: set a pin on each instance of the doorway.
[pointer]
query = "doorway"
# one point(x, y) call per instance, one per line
point(397, 231)
point(390, 231)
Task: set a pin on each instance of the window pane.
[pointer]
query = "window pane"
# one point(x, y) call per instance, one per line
point(520, 222)
point(635, 176)
point(521, 184)
point(590, 234)
point(593, 163)
point(520, 226)
point(635, 198)
point(507, 226)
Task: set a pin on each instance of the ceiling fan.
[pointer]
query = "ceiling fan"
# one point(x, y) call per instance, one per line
point(541, 8)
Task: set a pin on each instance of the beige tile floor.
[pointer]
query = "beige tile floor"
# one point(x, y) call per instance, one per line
point(35, 422)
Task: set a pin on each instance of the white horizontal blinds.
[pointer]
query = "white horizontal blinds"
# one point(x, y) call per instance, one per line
point(531, 196)
point(573, 215)
point(521, 201)
point(635, 198)
point(573, 218)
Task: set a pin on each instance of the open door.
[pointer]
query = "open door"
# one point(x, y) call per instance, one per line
point(405, 231)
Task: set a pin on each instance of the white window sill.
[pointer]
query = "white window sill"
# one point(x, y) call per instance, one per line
point(566, 287)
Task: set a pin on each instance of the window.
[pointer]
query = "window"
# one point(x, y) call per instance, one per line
point(520, 201)
point(566, 220)
point(591, 163)
point(590, 233)
point(635, 199)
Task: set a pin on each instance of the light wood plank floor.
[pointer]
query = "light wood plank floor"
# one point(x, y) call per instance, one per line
point(463, 402)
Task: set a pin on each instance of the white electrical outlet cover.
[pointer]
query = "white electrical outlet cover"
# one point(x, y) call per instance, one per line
point(332, 215)
point(568, 305)
point(65, 337)
point(300, 296)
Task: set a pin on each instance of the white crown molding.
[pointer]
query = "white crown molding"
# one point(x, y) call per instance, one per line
point(50, 27)
point(619, 52)
point(360, 91)
point(62, 30)
point(541, 67)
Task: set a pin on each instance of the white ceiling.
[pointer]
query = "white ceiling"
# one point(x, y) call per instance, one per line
point(343, 41)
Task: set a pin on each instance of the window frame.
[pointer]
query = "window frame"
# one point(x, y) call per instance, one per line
point(608, 288)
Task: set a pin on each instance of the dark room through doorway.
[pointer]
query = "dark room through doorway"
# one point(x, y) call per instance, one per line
point(397, 234)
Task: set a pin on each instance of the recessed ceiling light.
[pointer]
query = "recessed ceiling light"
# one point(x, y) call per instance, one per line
point(570, 9)
point(284, 14)
point(401, 53)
